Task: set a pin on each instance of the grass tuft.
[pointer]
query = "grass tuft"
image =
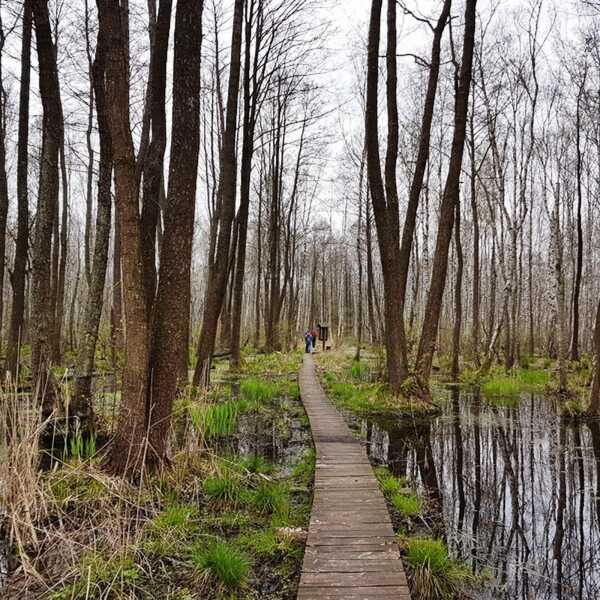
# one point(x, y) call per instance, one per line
point(222, 564)
point(435, 575)
point(223, 489)
point(408, 505)
point(101, 577)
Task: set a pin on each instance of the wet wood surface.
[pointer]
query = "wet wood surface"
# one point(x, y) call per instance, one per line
point(351, 552)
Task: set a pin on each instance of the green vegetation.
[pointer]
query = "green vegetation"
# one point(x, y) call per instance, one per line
point(97, 576)
point(408, 505)
point(223, 489)
point(269, 543)
point(238, 520)
point(258, 391)
point(501, 384)
point(216, 420)
point(168, 532)
point(221, 564)
point(404, 500)
point(434, 575)
point(355, 386)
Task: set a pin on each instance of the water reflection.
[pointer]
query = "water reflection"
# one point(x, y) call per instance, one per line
point(519, 489)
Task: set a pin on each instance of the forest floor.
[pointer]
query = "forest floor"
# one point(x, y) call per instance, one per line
point(227, 520)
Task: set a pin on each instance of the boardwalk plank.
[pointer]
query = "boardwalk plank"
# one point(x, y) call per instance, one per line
point(351, 551)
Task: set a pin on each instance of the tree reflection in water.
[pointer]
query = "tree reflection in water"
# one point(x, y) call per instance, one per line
point(518, 486)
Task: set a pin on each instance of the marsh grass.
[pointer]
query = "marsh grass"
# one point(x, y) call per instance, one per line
point(167, 533)
point(100, 577)
point(434, 575)
point(76, 531)
point(407, 504)
point(221, 564)
point(269, 543)
point(511, 385)
point(258, 391)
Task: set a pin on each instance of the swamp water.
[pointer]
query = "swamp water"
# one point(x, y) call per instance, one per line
point(519, 489)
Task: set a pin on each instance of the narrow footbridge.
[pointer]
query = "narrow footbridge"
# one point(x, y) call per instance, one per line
point(351, 552)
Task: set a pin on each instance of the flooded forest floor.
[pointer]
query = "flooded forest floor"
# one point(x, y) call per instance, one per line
point(228, 519)
point(495, 497)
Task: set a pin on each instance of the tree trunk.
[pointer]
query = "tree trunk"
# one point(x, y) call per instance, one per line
point(81, 403)
point(457, 298)
point(128, 448)
point(3, 183)
point(18, 275)
point(217, 275)
point(153, 161)
point(172, 307)
point(579, 262)
point(385, 201)
point(52, 136)
point(447, 210)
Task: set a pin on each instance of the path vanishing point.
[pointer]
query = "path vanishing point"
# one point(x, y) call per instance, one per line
point(351, 552)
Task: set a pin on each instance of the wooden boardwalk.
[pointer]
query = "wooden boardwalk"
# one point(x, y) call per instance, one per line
point(351, 552)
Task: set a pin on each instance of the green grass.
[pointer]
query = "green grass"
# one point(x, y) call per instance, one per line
point(434, 574)
point(258, 391)
point(304, 469)
point(220, 562)
point(271, 499)
point(513, 384)
point(99, 576)
point(167, 533)
point(408, 505)
point(388, 484)
point(256, 464)
point(223, 489)
point(218, 419)
point(359, 370)
point(269, 543)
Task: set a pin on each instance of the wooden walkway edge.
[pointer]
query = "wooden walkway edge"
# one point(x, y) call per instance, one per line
point(351, 552)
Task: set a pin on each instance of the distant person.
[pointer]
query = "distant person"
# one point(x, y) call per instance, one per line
point(308, 342)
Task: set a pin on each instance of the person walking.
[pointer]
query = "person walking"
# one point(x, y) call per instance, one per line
point(308, 342)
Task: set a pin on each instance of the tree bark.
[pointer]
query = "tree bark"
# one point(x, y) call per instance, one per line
point(52, 136)
point(153, 161)
point(18, 275)
point(128, 448)
point(385, 201)
point(3, 182)
point(81, 402)
point(172, 306)
point(448, 207)
point(217, 275)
